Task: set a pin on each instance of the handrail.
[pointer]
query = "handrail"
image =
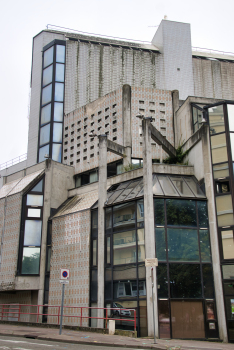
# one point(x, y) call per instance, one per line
point(19, 312)
point(13, 161)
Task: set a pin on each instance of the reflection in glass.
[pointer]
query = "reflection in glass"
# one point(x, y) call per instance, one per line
point(167, 187)
point(210, 310)
point(216, 119)
point(220, 170)
point(57, 152)
point(181, 212)
point(156, 187)
point(94, 252)
point(202, 213)
point(108, 216)
point(160, 244)
point(194, 186)
point(141, 244)
point(164, 319)
point(59, 89)
point(35, 199)
point(57, 132)
point(127, 190)
point(230, 109)
point(126, 272)
point(208, 283)
point(222, 187)
point(137, 191)
point(46, 114)
point(126, 289)
point(45, 134)
point(232, 144)
point(227, 244)
point(219, 148)
point(34, 213)
point(46, 94)
point(108, 283)
point(229, 303)
point(182, 245)
point(181, 186)
point(140, 213)
point(159, 213)
point(124, 248)
point(143, 318)
point(42, 152)
point(228, 288)
point(47, 75)
point(60, 53)
point(228, 272)
point(162, 281)
point(224, 210)
point(32, 232)
point(38, 187)
point(205, 245)
point(124, 216)
point(58, 112)
point(125, 315)
point(108, 250)
point(94, 223)
point(48, 56)
point(93, 176)
point(30, 262)
point(59, 73)
point(181, 283)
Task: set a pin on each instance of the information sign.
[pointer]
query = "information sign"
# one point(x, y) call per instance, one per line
point(151, 262)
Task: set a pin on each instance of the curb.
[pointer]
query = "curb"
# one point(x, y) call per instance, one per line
point(74, 341)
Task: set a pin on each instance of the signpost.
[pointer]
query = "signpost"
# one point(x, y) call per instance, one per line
point(64, 279)
point(151, 263)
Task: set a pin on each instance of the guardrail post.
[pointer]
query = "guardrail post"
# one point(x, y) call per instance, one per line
point(106, 316)
point(37, 313)
point(134, 320)
point(58, 313)
point(81, 313)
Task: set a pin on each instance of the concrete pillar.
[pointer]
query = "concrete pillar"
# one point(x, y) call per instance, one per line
point(176, 105)
point(102, 196)
point(126, 117)
point(46, 214)
point(213, 234)
point(149, 227)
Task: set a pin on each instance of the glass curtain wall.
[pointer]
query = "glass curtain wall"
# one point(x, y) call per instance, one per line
point(125, 286)
point(31, 229)
point(184, 272)
point(221, 123)
point(52, 102)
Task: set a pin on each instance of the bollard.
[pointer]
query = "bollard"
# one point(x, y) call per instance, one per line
point(111, 327)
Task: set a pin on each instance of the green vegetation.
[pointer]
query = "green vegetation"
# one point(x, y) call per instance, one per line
point(178, 158)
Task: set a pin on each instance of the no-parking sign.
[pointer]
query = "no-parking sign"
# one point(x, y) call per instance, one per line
point(64, 274)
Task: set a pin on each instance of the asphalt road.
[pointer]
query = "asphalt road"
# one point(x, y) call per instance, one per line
point(18, 343)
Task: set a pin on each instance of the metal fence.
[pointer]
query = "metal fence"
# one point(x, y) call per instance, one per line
point(13, 161)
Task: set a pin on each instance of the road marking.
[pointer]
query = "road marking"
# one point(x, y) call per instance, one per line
point(25, 342)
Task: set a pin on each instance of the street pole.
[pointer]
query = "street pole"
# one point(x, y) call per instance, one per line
point(152, 278)
point(61, 318)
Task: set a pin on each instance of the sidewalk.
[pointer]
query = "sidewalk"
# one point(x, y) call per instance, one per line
point(80, 337)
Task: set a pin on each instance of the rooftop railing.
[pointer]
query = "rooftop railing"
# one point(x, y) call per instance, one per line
point(13, 161)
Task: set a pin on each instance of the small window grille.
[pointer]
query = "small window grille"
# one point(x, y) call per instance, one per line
point(72, 140)
point(92, 155)
point(78, 161)
point(66, 135)
point(92, 147)
point(65, 150)
point(161, 104)
point(66, 128)
point(71, 163)
point(65, 158)
point(72, 132)
point(114, 138)
point(141, 102)
point(99, 120)
point(114, 105)
point(106, 109)
point(78, 152)
point(106, 117)
point(72, 147)
point(114, 122)
point(115, 130)
point(78, 137)
point(71, 155)
point(72, 125)
point(99, 112)
point(84, 158)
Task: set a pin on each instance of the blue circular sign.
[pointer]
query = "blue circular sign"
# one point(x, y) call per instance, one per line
point(64, 274)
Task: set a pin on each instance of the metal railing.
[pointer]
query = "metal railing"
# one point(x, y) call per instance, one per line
point(203, 49)
point(13, 161)
point(15, 311)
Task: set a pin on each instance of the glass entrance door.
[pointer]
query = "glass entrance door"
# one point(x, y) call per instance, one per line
point(187, 319)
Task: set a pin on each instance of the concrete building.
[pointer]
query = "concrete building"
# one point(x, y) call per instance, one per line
point(129, 157)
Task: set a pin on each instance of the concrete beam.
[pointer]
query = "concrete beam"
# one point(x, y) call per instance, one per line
point(102, 196)
point(115, 148)
point(149, 228)
point(127, 122)
point(161, 141)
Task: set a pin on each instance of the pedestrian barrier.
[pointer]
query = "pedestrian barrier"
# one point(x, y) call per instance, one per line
point(13, 312)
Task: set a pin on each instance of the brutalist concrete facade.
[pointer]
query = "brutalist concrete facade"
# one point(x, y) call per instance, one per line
point(126, 107)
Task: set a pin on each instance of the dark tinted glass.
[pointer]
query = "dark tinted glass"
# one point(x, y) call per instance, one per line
point(93, 287)
point(205, 245)
point(208, 281)
point(159, 214)
point(229, 289)
point(181, 212)
point(185, 281)
point(202, 213)
point(160, 244)
point(182, 244)
point(162, 281)
point(94, 223)
point(164, 319)
point(124, 217)
point(108, 283)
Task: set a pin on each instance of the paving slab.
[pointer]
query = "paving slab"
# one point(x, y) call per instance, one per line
point(81, 337)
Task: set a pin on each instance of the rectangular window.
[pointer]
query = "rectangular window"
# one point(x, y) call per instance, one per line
point(224, 210)
point(124, 248)
point(216, 119)
point(182, 245)
point(219, 148)
point(227, 244)
point(30, 261)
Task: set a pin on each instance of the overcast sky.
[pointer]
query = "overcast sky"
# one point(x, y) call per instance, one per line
point(212, 26)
